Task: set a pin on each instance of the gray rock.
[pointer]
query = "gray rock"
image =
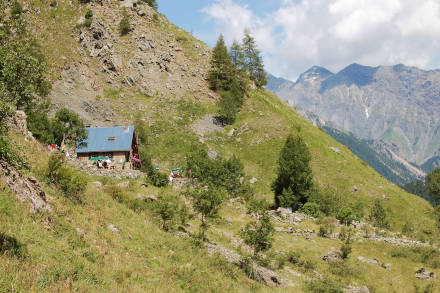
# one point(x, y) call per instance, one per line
point(253, 180)
point(213, 154)
point(423, 274)
point(333, 255)
point(373, 261)
point(151, 197)
point(336, 150)
point(112, 228)
point(97, 184)
point(81, 20)
point(124, 184)
point(80, 232)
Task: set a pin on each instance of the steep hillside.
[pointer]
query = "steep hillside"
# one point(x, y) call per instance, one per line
point(362, 99)
point(380, 158)
point(113, 241)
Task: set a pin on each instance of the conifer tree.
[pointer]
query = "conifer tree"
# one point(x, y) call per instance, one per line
point(236, 53)
point(253, 63)
point(434, 185)
point(294, 178)
point(221, 72)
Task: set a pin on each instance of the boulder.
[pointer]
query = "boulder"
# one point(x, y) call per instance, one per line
point(113, 228)
point(424, 274)
point(151, 197)
point(253, 180)
point(213, 154)
point(336, 150)
point(97, 184)
point(373, 261)
point(333, 255)
point(80, 232)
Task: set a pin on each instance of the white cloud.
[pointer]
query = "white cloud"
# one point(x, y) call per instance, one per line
point(335, 33)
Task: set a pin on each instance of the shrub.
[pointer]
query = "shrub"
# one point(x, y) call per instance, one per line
point(157, 178)
point(346, 250)
point(329, 201)
point(344, 269)
point(89, 18)
point(293, 257)
point(71, 182)
point(328, 224)
point(345, 215)
point(124, 24)
point(310, 209)
point(258, 234)
point(171, 212)
point(220, 173)
point(10, 156)
point(378, 215)
point(324, 285)
point(246, 265)
point(346, 234)
point(206, 202)
point(116, 193)
point(307, 264)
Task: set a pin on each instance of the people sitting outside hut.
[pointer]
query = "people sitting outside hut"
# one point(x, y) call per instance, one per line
point(171, 176)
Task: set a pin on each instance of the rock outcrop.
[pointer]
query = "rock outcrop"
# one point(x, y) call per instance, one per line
point(424, 274)
point(27, 189)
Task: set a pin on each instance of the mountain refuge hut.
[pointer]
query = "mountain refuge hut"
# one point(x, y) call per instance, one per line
point(110, 147)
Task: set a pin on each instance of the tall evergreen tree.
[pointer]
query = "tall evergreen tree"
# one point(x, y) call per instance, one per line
point(434, 185)
point(295, 175)
point(236, 53)
point(221, 72)
point(253, 63)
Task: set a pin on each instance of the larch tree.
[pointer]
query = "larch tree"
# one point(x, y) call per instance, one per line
point(253, 63)
point(221, 71)
point(294, 176)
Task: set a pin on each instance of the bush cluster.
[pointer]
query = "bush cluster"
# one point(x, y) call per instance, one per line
point(71, 182)
point(171, 211)
point(10, 155)
point(222, 174)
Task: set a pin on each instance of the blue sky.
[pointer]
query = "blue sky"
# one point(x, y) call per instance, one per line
point(294, 35)
point(189, 15)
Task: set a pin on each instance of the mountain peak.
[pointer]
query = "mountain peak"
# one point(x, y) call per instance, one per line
point(314, 72)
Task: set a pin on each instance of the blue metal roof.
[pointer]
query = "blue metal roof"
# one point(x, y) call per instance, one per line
point(98, 139)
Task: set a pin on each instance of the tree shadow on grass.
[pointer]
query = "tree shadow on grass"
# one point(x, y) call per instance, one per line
point(11, 246)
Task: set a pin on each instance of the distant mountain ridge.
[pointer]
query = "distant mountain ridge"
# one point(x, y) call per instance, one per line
point(397, 105)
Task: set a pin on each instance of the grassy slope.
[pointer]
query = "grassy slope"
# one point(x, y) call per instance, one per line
point(104, 261)
point(269, 121)
point(142, 258)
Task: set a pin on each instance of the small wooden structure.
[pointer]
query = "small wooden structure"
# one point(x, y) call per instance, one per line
point(118, 143)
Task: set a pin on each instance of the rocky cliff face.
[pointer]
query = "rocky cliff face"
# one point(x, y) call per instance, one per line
point(155, 58)
point(398, 105)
